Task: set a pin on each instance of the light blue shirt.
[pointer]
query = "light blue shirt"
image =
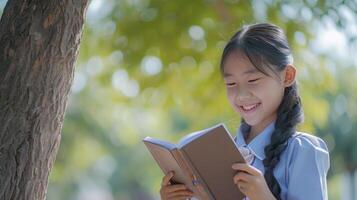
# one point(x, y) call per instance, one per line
point(303, 166)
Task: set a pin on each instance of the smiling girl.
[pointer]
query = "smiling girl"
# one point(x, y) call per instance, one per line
point(282, 163)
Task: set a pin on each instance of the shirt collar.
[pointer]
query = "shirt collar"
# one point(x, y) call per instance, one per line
point(260, 141)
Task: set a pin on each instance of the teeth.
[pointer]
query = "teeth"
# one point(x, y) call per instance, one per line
point(249, 107)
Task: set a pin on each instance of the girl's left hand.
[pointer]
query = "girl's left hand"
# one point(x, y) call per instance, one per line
point(251, 182)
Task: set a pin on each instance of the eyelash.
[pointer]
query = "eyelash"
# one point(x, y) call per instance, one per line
point(250, 81)
point(254, 80)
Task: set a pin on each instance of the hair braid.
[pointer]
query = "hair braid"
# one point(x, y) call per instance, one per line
point(289, 115)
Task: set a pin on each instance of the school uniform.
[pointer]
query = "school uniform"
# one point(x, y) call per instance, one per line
point(303, 166)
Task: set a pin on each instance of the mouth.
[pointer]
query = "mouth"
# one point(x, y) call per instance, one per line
point(249, 108)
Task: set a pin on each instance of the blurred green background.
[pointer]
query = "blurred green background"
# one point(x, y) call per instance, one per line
point(151, 68)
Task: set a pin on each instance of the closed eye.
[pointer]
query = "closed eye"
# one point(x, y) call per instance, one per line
point(230, 84)
point(253, 80)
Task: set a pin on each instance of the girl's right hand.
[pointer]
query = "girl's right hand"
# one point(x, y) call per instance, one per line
point(173, 192)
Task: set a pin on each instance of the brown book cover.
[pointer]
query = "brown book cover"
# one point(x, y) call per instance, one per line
point(203, 157)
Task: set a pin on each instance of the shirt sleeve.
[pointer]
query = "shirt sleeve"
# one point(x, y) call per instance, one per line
point(307, 169)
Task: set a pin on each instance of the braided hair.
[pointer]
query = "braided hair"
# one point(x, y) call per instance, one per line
point(267, 49)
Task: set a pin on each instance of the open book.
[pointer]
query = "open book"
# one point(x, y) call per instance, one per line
point(204, 157)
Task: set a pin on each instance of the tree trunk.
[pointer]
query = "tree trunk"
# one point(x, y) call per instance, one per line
point(352, 184)
point(39, 42)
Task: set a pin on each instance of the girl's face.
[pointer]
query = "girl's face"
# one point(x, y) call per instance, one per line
point(254, 95)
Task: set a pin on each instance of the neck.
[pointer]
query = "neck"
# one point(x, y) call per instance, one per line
point(255, 130)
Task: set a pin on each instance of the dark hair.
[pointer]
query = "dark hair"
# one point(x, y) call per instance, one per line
point(267, 48)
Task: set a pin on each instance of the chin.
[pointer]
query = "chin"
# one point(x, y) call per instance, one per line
point(251, 122)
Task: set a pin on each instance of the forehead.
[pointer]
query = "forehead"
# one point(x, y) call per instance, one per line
point(236, 64)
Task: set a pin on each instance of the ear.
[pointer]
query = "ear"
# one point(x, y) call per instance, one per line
point(289, 75)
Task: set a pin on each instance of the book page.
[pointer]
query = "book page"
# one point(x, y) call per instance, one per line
point(188, 138)
point(162, 143)
point(166, 160)
point(170, 158)
point(192, 136)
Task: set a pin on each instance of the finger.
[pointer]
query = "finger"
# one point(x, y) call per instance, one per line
point(173, 188)
point(242, 186)
point(166, 178)
point(242, 176)
point(247, 168)
point(185, 193)
point(180, 192)
point(181, 198)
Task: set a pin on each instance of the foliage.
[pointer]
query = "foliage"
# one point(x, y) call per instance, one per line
point(152, 68)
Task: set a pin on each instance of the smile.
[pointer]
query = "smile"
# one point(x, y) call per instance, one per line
point(249, 108)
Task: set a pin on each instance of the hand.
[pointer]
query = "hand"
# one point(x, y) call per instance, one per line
point(251, 182)
point(173, 192)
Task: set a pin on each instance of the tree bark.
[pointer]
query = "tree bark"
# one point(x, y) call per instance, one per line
point(39, 42)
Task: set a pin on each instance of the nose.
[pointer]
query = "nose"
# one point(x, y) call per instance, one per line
point(243, 95)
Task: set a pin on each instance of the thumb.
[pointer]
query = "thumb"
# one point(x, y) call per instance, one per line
point(167, 177)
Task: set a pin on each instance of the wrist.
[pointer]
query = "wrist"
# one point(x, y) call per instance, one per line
point(269, 196)
point(272, 197)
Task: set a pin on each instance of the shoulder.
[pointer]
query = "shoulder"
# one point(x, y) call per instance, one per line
point(307, 167)
point(305, 140)
point(307, 146)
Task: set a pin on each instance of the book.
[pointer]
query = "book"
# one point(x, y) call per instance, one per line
point(203, 158)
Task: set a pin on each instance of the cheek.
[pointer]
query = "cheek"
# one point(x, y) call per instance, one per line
point(272, 97)
point(231, 96)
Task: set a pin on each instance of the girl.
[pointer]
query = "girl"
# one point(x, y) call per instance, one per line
point(257, 67)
